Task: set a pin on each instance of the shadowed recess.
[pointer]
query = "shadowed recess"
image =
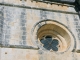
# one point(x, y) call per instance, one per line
point(50, 43)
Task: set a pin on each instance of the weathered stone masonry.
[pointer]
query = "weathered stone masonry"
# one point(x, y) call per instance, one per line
point(20, 22)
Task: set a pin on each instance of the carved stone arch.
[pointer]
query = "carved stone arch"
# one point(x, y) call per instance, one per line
point(58, 31)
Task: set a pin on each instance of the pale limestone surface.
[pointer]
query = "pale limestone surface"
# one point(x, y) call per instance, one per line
point(18, 23)
point(28, 54)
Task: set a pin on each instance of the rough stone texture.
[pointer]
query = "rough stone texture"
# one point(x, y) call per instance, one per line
point(23, 54)
point(16, 24)
point(38, 5)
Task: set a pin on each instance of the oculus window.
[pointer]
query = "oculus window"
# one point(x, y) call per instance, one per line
point(52, 36)
point(50, 43)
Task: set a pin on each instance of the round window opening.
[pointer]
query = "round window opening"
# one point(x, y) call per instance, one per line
point(53, 36)
point(50, 43)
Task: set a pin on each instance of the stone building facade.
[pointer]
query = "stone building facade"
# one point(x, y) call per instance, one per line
point(39, 30)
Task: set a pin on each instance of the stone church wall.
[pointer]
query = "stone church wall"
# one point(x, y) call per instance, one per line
point(17, 20)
